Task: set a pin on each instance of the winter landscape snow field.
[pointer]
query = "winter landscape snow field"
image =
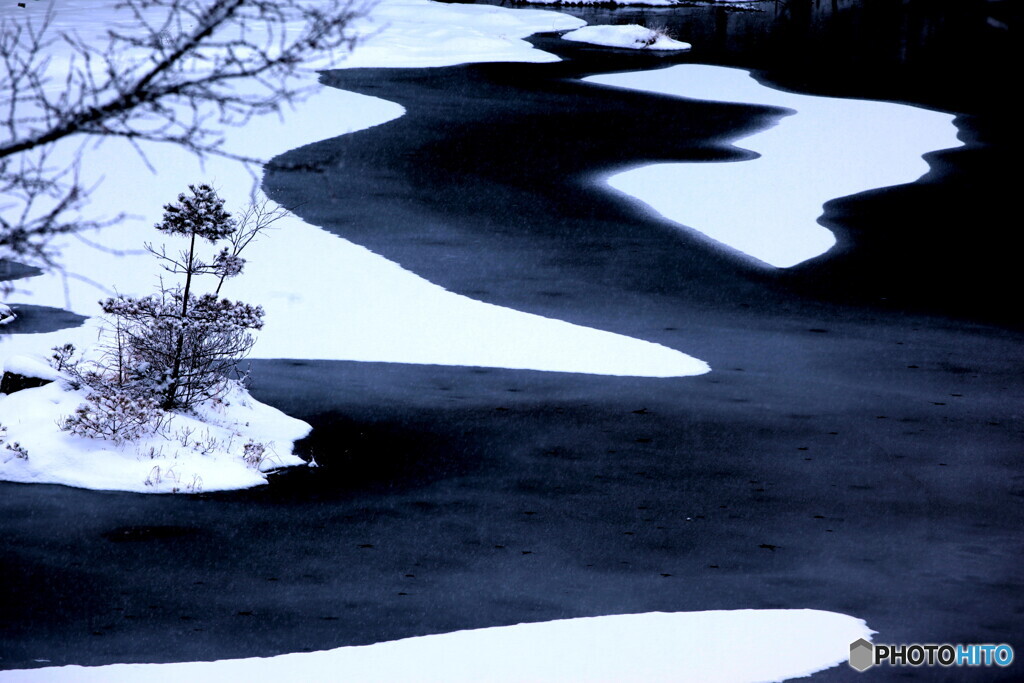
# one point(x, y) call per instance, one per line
point(801, 404)
point(397, 305)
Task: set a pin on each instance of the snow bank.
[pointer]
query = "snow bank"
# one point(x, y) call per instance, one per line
point(712, 647)
point(191, 453)
point(325, 297)
point(631, 36)
point(767, 208)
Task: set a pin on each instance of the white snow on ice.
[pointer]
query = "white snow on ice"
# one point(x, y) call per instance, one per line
point(824, 148)
point(325, 297)
point(631, 36)
point(712, 647)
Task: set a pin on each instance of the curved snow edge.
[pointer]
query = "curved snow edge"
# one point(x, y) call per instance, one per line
point(712, 646)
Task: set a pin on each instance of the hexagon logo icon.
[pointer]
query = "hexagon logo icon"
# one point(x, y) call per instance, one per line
point(862, 654)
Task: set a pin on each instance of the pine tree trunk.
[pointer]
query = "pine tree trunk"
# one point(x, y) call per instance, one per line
point(172, 390)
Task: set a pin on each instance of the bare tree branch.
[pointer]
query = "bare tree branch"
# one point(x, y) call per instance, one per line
point(174, 71)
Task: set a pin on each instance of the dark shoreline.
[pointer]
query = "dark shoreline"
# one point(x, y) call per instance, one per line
point(867, 457)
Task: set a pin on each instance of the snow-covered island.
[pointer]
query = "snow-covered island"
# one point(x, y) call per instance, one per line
point(629, 36)
point(230, 442)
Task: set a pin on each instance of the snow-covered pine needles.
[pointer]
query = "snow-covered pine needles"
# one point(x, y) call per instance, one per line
point(173, 349)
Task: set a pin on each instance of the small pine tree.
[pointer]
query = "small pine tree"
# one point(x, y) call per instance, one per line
point(173, 344)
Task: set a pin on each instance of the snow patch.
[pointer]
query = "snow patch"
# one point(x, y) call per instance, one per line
point(630, 36)
point(768, 208)
point(712, 647)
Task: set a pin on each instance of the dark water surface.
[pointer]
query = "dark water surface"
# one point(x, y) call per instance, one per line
point(856, 448)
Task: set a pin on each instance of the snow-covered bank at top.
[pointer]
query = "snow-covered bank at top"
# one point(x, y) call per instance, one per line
point(419, 33)
point(630, 36)
point(768, 207)
point(712, 647)
point(325, 297)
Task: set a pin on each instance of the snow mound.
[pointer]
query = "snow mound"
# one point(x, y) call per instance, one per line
point(30, 366)
point(631, 36)
point(202, 451)
point(713, 647)
point(6, 314)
